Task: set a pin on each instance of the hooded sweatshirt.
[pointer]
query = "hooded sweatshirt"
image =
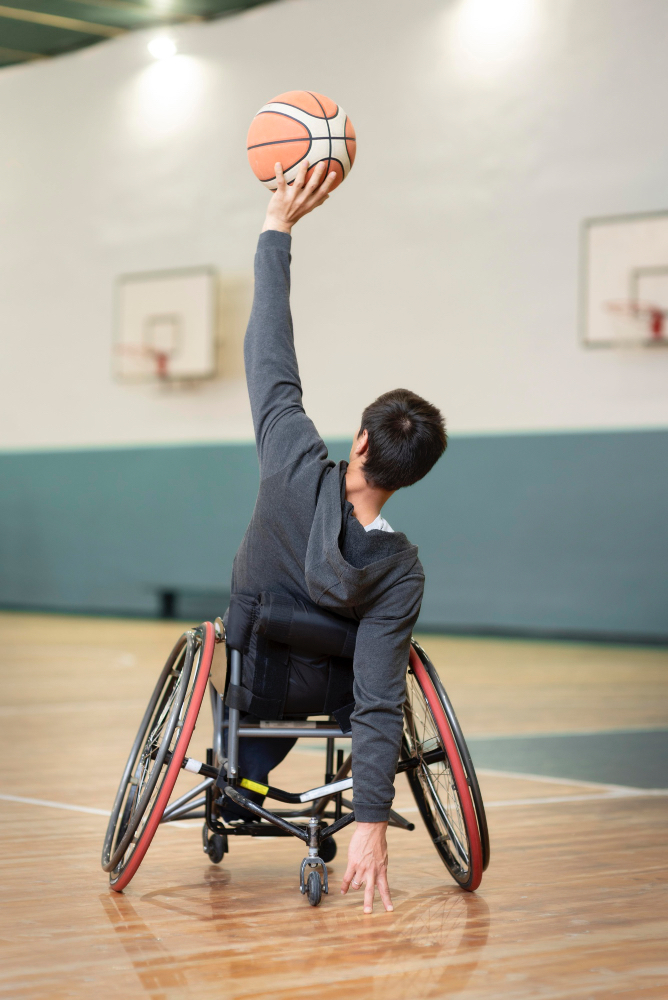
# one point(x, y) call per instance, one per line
point(305, 542)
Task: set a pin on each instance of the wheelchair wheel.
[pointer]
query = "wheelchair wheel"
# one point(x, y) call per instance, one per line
point(157, 754)
point(327, 850)
point(446, 791)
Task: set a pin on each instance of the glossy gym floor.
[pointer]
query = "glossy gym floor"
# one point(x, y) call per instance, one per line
point(570, 742)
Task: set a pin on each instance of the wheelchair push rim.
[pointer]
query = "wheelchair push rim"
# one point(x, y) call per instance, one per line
point(167, 727)
point(464, 754)
point(443, 790)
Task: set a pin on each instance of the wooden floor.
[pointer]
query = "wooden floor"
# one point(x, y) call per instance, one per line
point(574, 904)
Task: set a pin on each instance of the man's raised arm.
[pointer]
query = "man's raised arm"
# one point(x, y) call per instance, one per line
point(282, 430)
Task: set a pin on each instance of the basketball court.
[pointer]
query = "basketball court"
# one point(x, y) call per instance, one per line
point(573, 903)
point(176, 294)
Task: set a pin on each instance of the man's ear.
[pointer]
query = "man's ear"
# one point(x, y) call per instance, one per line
point(361, 446)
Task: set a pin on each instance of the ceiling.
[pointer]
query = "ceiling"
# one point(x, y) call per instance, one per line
point(40, 29)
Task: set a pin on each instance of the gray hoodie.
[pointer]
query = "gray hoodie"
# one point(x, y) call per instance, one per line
point(305, 542)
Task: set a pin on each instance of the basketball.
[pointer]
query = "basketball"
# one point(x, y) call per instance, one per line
point(296, 126)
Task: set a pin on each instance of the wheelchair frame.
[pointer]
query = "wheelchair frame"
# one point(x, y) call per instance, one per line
point(325, 806)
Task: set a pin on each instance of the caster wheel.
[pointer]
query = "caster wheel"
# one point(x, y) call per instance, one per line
point(314, 888)
point(217, 848)
point(327, 850)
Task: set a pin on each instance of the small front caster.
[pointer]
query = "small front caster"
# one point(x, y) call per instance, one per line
point(313, 885)
point(216, 847)
point(314, 888)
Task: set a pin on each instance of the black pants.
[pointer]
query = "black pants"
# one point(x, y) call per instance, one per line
point(307, 690)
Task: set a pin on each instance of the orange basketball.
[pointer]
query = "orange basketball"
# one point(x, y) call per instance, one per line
point(297, 126)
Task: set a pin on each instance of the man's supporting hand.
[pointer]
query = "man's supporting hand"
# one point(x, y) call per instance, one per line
point(367, 864)
point(290, 202)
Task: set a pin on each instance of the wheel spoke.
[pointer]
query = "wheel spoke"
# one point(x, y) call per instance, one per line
point(440, 796)
point(444, 816)
point(144, 783)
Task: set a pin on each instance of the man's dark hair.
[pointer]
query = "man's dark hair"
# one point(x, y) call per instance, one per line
point(406, 438)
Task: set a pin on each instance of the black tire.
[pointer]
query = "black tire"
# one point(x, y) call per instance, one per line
point(217, 848)
point(464, 753)
point(443, 788)
point(150, 774)
point(314, 888)
point(327, 850)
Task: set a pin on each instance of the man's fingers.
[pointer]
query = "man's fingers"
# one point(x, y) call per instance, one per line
point(316, 177)
point(281, 183)
point(384, 890)
point(321, 194)
point(300, 179)
point(355, 881)
point(347, 878)
point(368, 895)
point(328, 183)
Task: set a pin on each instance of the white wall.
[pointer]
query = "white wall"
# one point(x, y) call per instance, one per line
point(448, 261)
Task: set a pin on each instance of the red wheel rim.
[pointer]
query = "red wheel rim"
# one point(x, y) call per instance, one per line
point(174, 767)
point(458, 774)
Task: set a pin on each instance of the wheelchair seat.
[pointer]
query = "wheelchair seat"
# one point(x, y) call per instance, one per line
point(297, 659)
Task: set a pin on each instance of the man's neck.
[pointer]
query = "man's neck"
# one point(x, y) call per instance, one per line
point(367, 500)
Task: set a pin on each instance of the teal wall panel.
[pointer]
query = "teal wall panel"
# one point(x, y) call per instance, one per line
point(104, 530)
point(545, 533)
point(559, 533)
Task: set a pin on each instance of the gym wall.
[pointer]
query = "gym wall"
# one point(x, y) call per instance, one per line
point(448, 262)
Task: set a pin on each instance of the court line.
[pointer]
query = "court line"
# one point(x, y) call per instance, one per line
point(550, 780)
point(619, 731)
point(71, 808)
point(608, 792)
point(62, 708)
point(628, 793)
point(615, 792)
point(55, 805)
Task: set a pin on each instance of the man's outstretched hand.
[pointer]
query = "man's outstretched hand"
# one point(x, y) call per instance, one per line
point(290, 202)
point(367, 864)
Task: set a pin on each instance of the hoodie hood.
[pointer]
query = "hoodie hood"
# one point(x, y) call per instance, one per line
point(346, 566)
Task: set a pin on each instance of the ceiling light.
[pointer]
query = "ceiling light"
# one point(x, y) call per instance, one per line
point(162, 47)
point(493, 29)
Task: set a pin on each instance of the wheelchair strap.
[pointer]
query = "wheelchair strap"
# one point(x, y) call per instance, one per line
point(264, 630)
point(339, 687)
point(342, 716)
point(305, 626)
point(242, 615)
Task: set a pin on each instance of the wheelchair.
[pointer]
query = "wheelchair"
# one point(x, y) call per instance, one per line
point(433, 755)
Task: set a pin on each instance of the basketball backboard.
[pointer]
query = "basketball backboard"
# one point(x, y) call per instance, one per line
point(166, 326)
point(625, 281)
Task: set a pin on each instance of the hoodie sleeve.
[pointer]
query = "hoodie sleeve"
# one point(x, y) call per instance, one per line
point(283, 432)
point(380, 664)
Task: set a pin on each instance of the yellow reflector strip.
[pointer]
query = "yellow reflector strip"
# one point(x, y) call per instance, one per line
point(254, 786)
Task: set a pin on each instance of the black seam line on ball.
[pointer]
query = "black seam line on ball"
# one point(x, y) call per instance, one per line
point(290, 117)
point(329, 131)
point(345, 126)
point(321, 138)
point(303, 110)
point(265, 180)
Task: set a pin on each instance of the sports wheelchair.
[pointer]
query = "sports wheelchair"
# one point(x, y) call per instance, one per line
point(433, 755)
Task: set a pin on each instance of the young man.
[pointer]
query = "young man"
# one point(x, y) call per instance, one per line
point(317, 535)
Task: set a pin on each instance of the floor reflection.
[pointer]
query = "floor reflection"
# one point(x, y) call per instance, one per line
point(427, 949)
point(155, 967)
point(260, 943)
point(208, 900)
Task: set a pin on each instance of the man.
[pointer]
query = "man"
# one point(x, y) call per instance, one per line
point(317, 535)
